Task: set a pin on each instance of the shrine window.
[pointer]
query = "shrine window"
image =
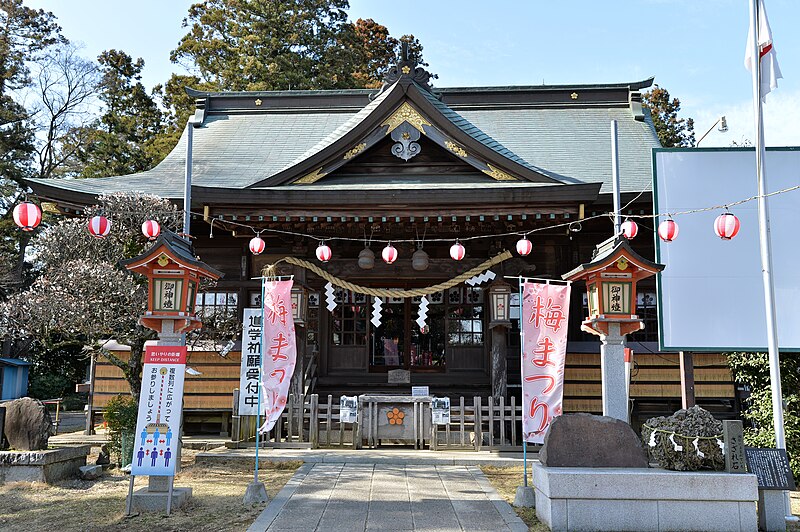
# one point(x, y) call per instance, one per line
point(216, 304)
point(349, 319)
point(465, 316)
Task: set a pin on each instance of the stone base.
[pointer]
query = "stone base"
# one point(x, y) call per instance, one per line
point(525, 497)
point(145, 500)
point(771, 511)
point(255, 493)
point(576, 499)
point(48, 466)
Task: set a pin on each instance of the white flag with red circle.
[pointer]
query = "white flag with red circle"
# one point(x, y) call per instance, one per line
point(279, 351)
point(544, 319)
point(767, 57)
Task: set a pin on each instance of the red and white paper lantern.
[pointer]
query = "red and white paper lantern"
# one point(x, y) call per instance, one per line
point(524, 247)
point(99, 226)
point(629, 229)
point(389, 254)
point(457, 251)
point(151, 229)
point(668, 230)
point(27, 216)
point(726, 226)
point(257, 245)
point(324, 253)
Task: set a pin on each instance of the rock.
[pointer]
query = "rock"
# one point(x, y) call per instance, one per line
point(28, 424)
point(104, 458)
point(684, 426)
point(91, 472)
point(584, 440)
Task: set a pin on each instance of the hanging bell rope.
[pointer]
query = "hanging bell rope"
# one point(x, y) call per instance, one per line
point(385, 292)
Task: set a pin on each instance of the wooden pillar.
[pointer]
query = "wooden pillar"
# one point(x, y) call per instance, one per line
point(498, 361)
point(687, 379)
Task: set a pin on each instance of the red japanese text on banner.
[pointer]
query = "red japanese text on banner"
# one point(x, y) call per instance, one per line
point(280, 350)
point(545, 314)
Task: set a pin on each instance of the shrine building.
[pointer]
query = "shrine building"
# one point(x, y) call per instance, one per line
point(423, 167)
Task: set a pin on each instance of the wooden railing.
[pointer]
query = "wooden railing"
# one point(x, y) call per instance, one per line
point(475, 424)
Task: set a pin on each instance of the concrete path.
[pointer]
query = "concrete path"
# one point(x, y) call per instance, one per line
point(364, 497)
point(368, 456)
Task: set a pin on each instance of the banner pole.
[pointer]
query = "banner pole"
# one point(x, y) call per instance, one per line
point(130, 497)
point(522, 377)
point(260, 382)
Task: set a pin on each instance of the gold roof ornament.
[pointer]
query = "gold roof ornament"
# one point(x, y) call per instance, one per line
point(312, 177)
point(497, 174)
point(574, 95)
point(406, 113)
point(258, 101)
point(358, 148)
point(455, 148)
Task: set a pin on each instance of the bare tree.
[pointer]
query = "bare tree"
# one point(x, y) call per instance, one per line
point(64, 89)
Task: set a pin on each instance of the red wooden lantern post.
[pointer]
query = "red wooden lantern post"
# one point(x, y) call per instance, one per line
point(173, 276)
point(611, 279)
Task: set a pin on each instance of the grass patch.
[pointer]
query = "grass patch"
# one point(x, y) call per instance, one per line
point(216, 503)
point(505, 480)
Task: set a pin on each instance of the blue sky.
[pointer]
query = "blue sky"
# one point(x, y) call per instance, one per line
point(694, 48)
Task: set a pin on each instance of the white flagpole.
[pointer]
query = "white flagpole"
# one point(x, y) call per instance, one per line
point(765, 243)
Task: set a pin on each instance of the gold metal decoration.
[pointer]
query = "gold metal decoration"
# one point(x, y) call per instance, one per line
point(622, 264)
point(574, 95)
point(313, 177)
point(163, 260)
point(358, 148)
point(258, 101)
point(497, 174)
point(406, 69)
point(455, 148)
point(406, 113)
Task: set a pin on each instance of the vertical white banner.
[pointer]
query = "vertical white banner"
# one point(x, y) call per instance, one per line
point(280, 349)
point(160, 404)
point(544, 319)
point(251, 362)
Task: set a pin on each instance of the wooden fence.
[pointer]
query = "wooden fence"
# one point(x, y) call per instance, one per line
point(475, 424)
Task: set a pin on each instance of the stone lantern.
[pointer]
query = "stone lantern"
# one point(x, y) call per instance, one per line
point(611, 279)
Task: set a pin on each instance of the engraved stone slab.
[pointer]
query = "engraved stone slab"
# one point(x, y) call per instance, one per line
point(584, 440)
point(399, 376)
point(733, 433)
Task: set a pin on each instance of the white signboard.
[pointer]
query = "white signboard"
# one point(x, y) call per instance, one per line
point(711, 296)
point(160, 403)
point(420, 391)
point(251, 363)
point(348, 409)
point(440, 410)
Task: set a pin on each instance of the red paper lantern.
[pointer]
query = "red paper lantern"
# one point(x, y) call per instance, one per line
point(151, 229)
point(457, 251)
point(726, 226)
point(99, 226)
point(27, 216)
point(629, 229)
point(389, 254)
point(524, 247)
point(668, 230)
point(257, 245)
point(324, 253)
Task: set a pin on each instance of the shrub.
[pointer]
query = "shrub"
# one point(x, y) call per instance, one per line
point(752, 369)
point(120, 415)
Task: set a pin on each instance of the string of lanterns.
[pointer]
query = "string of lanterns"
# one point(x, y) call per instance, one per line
point(27, 216)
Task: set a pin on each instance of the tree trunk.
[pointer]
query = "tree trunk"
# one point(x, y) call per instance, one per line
point(133, 373)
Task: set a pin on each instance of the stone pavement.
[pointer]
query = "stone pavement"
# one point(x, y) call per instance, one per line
point(362, 497)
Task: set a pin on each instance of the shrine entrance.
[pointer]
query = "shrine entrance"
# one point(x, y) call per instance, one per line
point(399, 342)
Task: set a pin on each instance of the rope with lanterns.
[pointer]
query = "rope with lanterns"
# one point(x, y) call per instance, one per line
point(27, 216)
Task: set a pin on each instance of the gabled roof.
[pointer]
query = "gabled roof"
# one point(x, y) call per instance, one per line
point(553, 134)
point(179, 247)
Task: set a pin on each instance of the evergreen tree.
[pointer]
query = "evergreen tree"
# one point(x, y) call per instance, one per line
point(673, 131)
point(120, 141)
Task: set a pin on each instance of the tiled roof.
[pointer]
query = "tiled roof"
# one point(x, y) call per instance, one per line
point(238, 149)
